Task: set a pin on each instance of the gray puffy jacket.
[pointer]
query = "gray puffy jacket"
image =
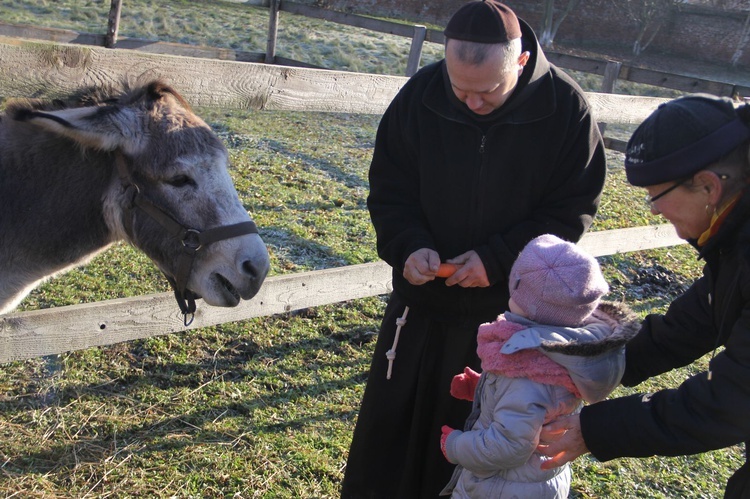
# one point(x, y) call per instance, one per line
point(496, 454)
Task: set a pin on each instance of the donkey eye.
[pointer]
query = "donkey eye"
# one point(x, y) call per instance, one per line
point(181, 181)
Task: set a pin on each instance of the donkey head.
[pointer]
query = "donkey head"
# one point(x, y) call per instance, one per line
point(172, 161)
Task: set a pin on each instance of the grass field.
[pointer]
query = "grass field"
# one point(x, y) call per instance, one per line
point(266, 407)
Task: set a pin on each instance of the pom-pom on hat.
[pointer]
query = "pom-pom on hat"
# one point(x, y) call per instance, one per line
point(555, 282)
point(485, 21)
point(682, 137)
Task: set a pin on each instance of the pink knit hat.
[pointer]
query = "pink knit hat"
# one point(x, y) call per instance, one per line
point(554, 282)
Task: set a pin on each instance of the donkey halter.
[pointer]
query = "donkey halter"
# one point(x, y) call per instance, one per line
point(193, 240)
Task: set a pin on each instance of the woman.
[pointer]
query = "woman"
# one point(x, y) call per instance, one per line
point(692, 155)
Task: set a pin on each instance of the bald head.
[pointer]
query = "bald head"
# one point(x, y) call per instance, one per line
point(476, 54)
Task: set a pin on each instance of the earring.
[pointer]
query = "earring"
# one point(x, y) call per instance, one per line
point(710, 210)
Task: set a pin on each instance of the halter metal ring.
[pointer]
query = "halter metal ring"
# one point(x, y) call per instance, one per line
point(191, 239)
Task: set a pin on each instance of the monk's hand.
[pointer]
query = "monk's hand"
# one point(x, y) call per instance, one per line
point(561, 441)
point(471, 272)
point(421, 266)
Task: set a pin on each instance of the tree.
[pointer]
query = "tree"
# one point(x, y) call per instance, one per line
point(549, 24)
point(649, 15)
point(744, 40)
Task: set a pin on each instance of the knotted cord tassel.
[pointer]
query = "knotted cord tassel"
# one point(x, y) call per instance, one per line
point(391, 354)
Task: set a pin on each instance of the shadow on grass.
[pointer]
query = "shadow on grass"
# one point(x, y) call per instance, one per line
point(71, 441)
point(329, 168)
point(295, 252)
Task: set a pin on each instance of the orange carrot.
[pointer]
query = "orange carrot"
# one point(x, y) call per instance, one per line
point(447, 269)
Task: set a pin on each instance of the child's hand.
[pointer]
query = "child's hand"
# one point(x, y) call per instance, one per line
point(447, 430)
point(464, 384)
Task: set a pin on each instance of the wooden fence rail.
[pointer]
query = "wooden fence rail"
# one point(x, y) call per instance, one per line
point(50, 331)
point(52, 70)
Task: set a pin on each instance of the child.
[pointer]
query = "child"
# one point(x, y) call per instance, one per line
point(557, 346)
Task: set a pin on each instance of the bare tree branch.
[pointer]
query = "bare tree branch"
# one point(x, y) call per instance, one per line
point(549, 24)
point(744, 40)
point(649, 16)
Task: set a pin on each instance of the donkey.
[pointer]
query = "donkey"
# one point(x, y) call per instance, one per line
point(125, 162)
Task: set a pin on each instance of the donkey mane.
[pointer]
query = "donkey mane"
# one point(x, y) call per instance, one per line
point(124, 92)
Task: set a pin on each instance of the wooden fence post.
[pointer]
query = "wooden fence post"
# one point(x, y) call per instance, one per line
point(273, 31)
point(113, 23)
point(415, 53)
point(611, 72)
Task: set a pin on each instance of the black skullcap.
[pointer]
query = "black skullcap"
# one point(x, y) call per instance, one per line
point(485, 21)
point(682, 137)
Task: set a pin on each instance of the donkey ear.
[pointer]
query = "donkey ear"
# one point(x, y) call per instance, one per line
point(104, 128)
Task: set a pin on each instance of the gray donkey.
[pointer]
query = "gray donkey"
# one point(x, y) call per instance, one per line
point(131, 163)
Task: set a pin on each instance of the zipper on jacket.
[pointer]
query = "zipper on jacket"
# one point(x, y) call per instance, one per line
point(720, 333)
point(477, 200)
point(468, 299)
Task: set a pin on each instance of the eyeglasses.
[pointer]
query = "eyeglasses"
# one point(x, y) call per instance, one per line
point(651, 200)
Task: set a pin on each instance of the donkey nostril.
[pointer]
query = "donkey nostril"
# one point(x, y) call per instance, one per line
point(251, 270)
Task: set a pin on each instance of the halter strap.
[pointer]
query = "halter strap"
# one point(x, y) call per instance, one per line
point(192, 239)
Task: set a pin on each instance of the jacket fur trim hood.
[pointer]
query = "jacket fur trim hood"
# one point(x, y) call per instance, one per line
point(592, 355)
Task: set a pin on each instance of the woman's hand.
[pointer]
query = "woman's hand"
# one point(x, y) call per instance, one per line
point(561, 440)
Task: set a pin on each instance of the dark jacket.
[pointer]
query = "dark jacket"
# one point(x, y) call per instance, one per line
point(701, 414)
point(445, 179)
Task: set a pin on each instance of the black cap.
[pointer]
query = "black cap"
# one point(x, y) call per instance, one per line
point(682, 137)
point(485, 21)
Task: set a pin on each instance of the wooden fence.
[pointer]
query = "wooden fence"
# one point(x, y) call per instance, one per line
point(222, 78)
point(46, 69)
point(52, 70)
point(611, 71)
